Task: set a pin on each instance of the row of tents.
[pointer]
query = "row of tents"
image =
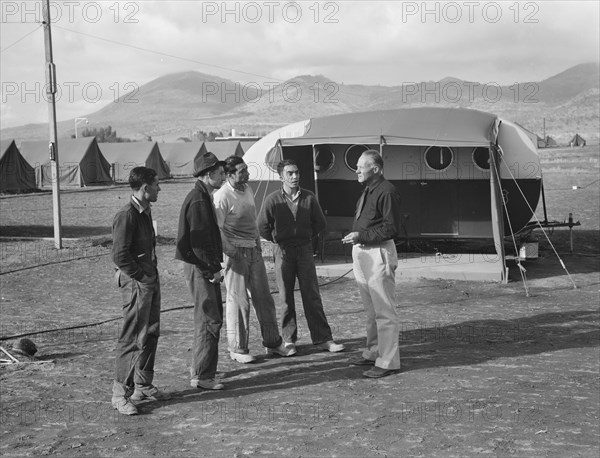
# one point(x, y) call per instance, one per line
point(85, 162)
point(549, 142)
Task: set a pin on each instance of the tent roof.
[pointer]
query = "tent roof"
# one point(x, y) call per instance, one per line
point(5, 145)
point(127, 152)
point(225, 149)
point(69, 150)
point(246, 144)
point(180, 151)
point(412, 126)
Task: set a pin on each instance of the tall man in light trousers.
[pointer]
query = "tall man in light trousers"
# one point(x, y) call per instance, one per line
point(374, 256)
point(245, 272)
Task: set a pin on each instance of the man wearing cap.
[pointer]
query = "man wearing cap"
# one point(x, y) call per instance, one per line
point(134, 254)
point(291, 217)
point(245, 270)
point(199, 247)
point(374, 257)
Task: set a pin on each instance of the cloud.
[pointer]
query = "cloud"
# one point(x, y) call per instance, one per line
point(112, 44)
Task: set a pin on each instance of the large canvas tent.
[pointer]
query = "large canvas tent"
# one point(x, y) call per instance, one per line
point(181, 156)
point(461, 173)
point(224, 149)
point(577, 140)
point(16, 175)
point(125, 156)
point(81, 162)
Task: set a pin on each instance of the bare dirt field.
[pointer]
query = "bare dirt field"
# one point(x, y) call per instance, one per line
point(487, 370)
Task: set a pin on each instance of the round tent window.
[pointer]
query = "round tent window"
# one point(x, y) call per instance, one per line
point(273, 157)
point(481, 158)
point(352, 154)
point(438, 157)
point(324, 158)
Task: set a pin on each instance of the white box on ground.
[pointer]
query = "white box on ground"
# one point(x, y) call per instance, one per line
point(529, 250)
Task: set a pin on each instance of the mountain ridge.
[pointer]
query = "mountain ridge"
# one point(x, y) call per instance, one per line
point(177, 104)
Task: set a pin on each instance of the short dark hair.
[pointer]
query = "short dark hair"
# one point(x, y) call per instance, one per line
point(231, 163)
point(283, 164)
point(140, 176)
point(374, 156)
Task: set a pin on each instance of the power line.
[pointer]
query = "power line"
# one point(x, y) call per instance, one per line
point(20, 39)
point(160, 53)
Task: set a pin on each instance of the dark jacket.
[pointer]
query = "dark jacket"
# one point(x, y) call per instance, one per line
point(134, 242)
point(198, 236)
point(276, 221)
point(380, 217)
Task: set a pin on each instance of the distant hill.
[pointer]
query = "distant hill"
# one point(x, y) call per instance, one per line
point(175, 104)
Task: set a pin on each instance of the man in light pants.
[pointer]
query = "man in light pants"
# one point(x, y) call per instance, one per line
point(245, 272)
point(374, 256)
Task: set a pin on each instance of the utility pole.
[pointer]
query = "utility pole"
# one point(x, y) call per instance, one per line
point(544, 129)
point(53, 145)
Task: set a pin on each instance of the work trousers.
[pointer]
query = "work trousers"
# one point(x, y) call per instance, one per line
point(245, 279)
point(208, 319)
point(138, 339)
point(374, 269)
point(298, 262)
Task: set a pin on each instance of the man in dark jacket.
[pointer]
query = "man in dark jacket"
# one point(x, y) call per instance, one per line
point(134, 254)
point(376, 224)
point(291, 217)
point(199, 247)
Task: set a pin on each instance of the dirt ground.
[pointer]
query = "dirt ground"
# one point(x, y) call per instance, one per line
point(487, 370)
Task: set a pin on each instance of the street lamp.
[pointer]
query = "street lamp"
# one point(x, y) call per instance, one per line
point(77, 121)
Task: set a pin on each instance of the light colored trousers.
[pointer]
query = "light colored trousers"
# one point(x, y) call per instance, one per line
point(245, 279)
point(375, 273)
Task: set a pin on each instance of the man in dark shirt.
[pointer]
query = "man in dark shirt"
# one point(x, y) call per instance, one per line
point(199, 247)
point(133, 252)
point(374, 256)
point(291, 217)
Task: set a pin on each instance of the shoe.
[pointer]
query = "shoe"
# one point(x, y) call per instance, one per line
point(330, 346)
point(210, 384)
point(378, 372)
point(123, 406)
point(291, 345)
point(281, 350)
point(244, 358)
point(149, 393)
point(360, 361)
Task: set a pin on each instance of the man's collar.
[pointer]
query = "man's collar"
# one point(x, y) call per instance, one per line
point(375, 183)
point(293, 196)
point(139, 206)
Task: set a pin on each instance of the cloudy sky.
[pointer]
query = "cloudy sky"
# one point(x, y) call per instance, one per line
point(104, 49)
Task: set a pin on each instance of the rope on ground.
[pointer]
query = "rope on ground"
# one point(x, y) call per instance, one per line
point(89, 325)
